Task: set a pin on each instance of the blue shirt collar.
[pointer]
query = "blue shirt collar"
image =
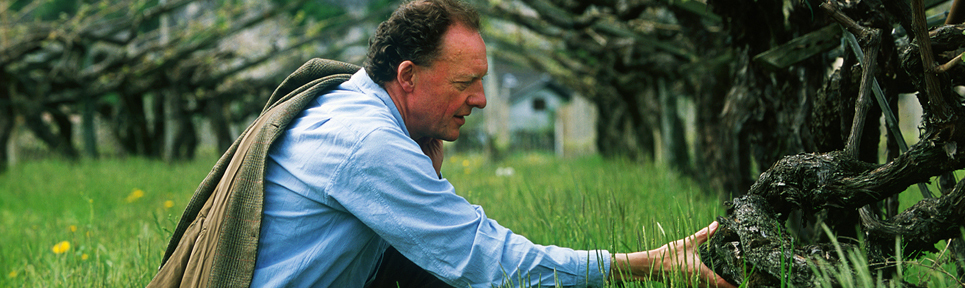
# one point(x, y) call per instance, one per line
point(364, 84)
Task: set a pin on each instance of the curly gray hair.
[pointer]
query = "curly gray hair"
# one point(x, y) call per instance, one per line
point(414, 32)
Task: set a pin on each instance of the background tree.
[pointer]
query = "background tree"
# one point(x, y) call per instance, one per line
point(763, 78)
point(153, 69)
point(757, 97)
point(635, 60)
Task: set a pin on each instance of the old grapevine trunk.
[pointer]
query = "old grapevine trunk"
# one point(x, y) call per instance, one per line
point(753, 246)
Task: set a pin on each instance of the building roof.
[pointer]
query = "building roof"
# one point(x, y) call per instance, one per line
point(545, 82)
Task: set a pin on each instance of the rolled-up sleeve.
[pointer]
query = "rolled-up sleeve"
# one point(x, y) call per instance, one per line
point(389, 185)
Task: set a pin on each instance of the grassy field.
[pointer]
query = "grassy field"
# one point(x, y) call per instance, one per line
point(91, 224)
point(105, 223)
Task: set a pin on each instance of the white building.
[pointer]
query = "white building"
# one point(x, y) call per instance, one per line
point(528, 110)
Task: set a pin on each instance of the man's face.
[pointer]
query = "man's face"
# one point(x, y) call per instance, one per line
point(445, 92)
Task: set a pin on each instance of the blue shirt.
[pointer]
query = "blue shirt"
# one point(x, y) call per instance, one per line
point(345, 182)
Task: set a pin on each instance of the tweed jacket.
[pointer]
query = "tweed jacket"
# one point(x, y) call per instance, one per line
point(216, 241)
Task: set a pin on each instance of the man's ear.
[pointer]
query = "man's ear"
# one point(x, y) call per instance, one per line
point(405, 74)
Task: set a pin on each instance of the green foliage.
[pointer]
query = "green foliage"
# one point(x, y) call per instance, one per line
point(386, 6)
point(47, 9)
point(312, 11)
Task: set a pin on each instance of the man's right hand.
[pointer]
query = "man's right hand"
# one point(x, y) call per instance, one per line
point(659, 264)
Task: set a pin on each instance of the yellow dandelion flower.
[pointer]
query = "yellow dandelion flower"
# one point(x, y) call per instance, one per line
point(73, 228)
point(12, 274)
point(61, 247)
point(136, 194)
point(168, 204)
point(465, 163)
point(84, 256)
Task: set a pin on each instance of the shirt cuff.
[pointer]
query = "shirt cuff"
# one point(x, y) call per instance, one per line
point(597, 267)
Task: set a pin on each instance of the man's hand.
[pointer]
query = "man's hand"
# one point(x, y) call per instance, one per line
point(679, 257)
point(433, 148)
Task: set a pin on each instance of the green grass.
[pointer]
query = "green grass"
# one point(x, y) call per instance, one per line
point(584, 203)
point(117, 238)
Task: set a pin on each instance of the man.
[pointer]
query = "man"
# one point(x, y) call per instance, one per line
point(353, 195)
point(358, 172)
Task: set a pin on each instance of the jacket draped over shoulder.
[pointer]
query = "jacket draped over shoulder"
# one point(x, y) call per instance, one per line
point(216, 241)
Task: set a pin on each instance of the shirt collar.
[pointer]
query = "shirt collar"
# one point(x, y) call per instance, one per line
point(365, 85)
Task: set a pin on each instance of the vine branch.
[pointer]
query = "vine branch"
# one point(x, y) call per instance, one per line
point(932, 87)
point(870, 39)
point(950, 64)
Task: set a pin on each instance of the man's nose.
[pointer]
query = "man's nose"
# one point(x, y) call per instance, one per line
point(477, 99)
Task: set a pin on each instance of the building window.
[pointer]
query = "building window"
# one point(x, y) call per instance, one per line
point(539, 104)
